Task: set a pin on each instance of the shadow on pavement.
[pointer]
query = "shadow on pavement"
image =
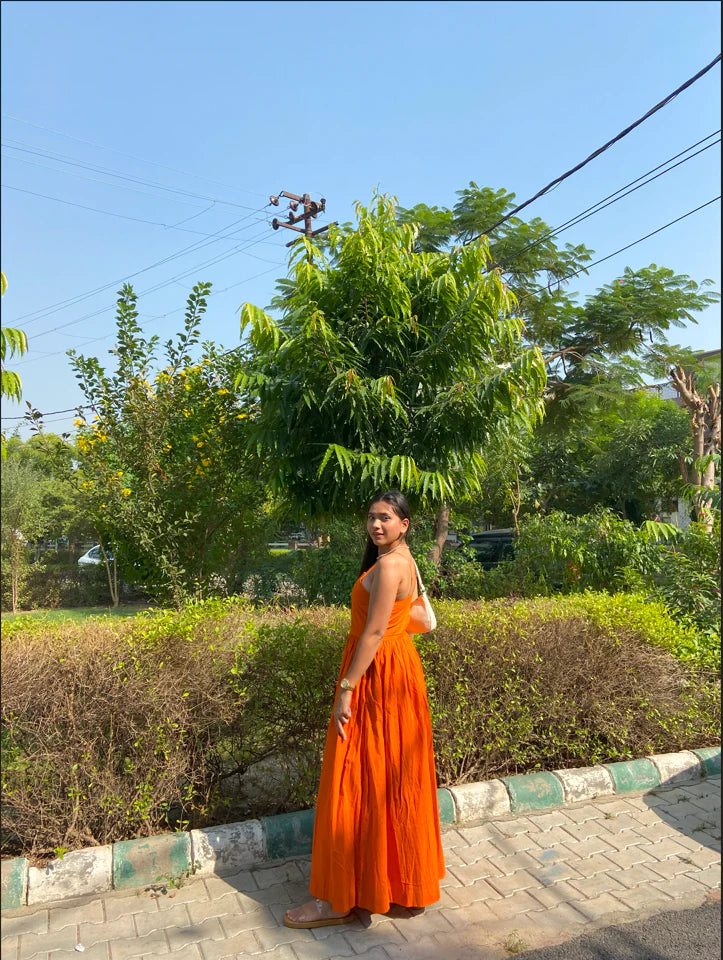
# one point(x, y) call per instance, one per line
point(674, 935)
point(693, 809)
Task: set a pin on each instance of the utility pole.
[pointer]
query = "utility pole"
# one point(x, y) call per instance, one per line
point(312, 209)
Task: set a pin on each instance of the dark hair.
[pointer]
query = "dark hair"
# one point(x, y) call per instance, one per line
point(398, 502)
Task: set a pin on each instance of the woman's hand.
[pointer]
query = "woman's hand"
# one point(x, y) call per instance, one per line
point(342, 712)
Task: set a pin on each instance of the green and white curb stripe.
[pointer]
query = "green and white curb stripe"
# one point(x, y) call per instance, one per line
point(225, 850)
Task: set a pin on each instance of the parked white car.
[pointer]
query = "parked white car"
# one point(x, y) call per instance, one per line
point(93, 557)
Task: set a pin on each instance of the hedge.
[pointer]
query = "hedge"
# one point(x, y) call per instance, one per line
point(119, 729)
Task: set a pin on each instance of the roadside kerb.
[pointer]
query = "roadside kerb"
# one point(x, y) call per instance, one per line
point(224, 850)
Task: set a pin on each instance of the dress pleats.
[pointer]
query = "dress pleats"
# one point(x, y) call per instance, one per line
point(376, 831)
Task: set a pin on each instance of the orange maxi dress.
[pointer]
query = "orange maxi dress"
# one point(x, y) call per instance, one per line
point(376, 830)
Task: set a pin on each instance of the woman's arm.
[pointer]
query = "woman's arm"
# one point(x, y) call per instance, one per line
point(385, 586)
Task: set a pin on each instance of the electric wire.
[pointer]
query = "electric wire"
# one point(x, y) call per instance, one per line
point(96, 313)
point(35, 315)
point(121, 216)
point(154, 223)
point(107, 336)
point(130, 156)
point(640, 239)
point(602, 149)
point(613, 198)
point(60, 158)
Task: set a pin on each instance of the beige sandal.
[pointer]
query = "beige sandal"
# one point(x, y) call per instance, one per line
point(321, 921)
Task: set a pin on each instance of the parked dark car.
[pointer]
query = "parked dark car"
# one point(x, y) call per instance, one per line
point(493, 546)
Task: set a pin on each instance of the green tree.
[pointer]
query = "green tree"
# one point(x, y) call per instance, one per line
point(389, 366)
point(625, 458)
point(22, 520)
point(63, 506)
point(595, 351)
point(163, 464)
point(616, 338)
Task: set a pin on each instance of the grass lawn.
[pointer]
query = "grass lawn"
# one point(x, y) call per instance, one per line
point(79, 613)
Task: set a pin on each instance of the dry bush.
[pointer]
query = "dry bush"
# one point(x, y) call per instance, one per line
point(102, 741)
point(516, 687)
point(120, 729)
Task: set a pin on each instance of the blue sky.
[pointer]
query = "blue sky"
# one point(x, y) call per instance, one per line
point(207, 108)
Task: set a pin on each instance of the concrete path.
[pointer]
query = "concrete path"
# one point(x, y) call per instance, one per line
point(513, 884)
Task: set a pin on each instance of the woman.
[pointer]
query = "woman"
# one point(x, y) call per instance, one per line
point(376, 830)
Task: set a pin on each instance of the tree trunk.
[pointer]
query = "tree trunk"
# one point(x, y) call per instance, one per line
point(441, 528)
point(705, 426)
point(112, 576)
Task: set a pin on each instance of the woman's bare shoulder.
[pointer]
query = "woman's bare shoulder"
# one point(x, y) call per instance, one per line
point(394, 562)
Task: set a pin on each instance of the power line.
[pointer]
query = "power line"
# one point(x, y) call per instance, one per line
point(52, 413)
point(122, 216)
point(640, 240)
point(170, 313)
point(154, 289)
point(613, 197)
point(602, 149)
point(129, 156)
point(105, 183)
point(120, 176)
point(53, 308)
point(208, 263)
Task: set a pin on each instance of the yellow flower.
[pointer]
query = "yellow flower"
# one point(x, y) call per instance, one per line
point(240, 416)
point(206, 462)
point(126, 491)
point(222, 391)
point(200, 443)
point(186, 413)
point(78, 422)
point(187, 386)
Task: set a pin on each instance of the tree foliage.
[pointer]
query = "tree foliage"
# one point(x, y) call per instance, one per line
point(22, 520)
point(389, 365)
point(617, 337)
point(13, 342)
point(163, 466)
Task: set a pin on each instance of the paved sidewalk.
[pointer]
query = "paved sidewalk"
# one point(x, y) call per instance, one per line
point(512, 884)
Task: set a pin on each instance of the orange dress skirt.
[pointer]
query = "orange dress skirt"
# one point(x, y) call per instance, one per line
point(376, 830)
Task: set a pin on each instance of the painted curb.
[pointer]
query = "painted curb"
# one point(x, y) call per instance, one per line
point(710, 757)
point(585, 783)
point(80, 872)
point(288, 834)
point(480, 801)
point(445, 804)
point(136, 862)
point(630, 776)
point(531, 792)
point(224, 850)
point(14, 883)
point(678, 767)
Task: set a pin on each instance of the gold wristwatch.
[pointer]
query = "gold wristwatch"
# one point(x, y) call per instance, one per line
point(345, 685)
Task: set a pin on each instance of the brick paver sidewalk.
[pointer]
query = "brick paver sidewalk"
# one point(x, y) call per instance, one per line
point(513, 883)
